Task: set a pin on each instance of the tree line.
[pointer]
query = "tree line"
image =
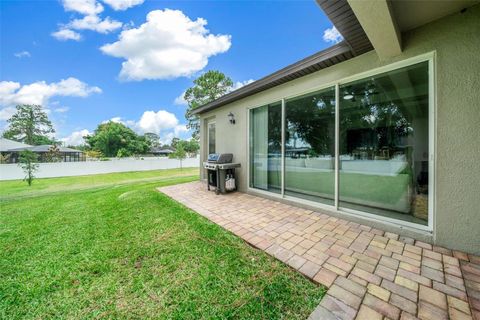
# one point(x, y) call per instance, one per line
point(30, 124)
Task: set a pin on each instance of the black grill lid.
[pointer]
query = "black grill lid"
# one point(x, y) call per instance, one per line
point(220, 157)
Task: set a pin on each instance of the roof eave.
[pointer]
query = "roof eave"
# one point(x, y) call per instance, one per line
point(355, 43)
point(279, 76)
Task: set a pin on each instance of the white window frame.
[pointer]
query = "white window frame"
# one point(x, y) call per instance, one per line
point(429, 57)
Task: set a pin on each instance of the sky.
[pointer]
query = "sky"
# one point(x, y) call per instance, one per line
point(91, 61)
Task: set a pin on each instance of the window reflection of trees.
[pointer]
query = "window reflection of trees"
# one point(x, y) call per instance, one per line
point(310, 122)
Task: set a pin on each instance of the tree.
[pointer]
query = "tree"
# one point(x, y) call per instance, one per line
point(153, 139)
point(39, 140)
point(93, 154)
point(208, 87)
point(174, 142)
point(110, 137)
point(81, 147)
point(179, 154)
point(4, 157)
point(30, 124)
point(123, 153)
point(53, 154)
point(190, 146)
point(28, 162)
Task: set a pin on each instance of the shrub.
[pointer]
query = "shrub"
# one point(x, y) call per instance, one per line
point(28, 162)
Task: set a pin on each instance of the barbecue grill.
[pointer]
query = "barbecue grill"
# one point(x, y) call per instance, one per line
point(221, 172)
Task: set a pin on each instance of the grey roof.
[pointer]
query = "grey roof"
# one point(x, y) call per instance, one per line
point(164, 150)
point(44, 148)
point(355, 43)
point(7, 144)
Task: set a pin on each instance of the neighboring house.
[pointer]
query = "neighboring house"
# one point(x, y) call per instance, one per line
point(6, 145)
point(161, 151)
point(13, 149)
point(382, 128)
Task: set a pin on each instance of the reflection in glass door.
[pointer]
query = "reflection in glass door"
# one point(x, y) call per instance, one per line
point(310, 146)
point(265, 147)
point(384, 147)
point(373, 134)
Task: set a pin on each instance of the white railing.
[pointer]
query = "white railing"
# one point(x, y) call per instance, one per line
point(66, 169)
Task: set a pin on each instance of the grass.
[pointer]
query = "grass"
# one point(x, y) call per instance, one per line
point(111, 246)
point(18, 188)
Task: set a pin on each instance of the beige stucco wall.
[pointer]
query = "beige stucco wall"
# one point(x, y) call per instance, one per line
point(456, 41)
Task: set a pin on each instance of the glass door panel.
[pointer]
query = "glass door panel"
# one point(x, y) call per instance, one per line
point(384, 145)
point(265, 147)
point(310, 146)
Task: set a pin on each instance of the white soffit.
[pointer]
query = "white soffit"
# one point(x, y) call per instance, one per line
point(377, 19)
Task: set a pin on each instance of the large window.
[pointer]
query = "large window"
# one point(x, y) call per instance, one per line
point(310, 146)
point(384, 144)
point(266, 147)
point(361, 146)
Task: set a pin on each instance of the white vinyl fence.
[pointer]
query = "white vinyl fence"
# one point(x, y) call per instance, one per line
point(66, 169)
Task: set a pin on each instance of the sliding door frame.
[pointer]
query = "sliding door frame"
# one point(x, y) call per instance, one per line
point(282, 161)
point(429, 57)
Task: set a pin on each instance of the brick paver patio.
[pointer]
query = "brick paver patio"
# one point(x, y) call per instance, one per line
point(371, 274)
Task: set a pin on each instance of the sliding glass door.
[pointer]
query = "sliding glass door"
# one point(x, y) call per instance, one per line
point(384, 144)
point(359, 146)
point(266, 147)
point(310, 146)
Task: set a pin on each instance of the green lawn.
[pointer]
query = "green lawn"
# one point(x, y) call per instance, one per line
point(111, 246)
point(41, 186)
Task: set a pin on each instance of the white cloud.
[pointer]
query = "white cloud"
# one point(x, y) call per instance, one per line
point(86, 7)
point(179, 129)
point(7, 113)
point(128, 25)
point(116, 119)
point(75, 138)
point(90, 9)
point(167, 138)
point(94, 23)
point(66, 34)
point(180, 100)
point(168, 45)
point(7, 87)
point(152, 121)
point(239, 84)
point(128, 123)
point(73, 87)
point(61, 109)
point(22, 54)
point(12, 93)
point(122, 4)
point(161, 122)
point(332, 35)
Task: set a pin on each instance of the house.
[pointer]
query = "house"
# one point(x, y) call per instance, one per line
point(13, 149)
point(382, 128)
point(6, 145)
point(160, 151)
